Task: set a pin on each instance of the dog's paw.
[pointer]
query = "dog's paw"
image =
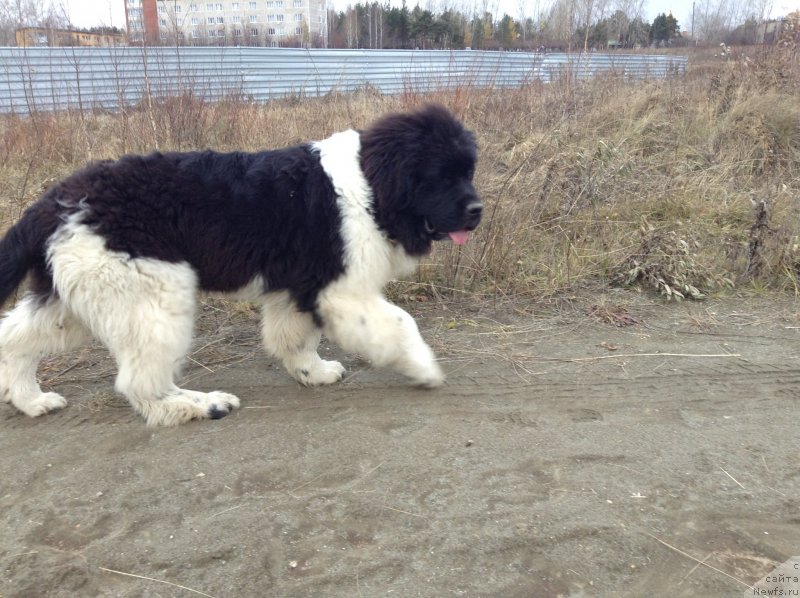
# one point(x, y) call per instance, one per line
point(181, 405)
point(323, 372)
point(40, 404)
point(222, 403)
point(429, 376)
point(5, 391)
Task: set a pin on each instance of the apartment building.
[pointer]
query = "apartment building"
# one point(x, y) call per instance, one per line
point(29, 37)
point(243, 22)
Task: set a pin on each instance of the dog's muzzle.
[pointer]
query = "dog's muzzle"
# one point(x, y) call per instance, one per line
point(472, 217)
point(474, 214)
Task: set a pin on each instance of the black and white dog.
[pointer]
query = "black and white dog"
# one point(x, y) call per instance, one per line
point(312, 233)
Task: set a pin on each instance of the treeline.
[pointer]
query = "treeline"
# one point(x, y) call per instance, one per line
point(101, 29)
point(385, 26)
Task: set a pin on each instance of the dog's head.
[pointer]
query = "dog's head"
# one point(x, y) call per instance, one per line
point(420, 167)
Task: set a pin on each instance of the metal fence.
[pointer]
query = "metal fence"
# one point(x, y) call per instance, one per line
point(34, 79)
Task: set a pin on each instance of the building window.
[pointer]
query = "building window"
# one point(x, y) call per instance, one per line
point(253, 31)
point(193, 8)
point(162, 8)
point(280, 18)
point(254, 18)
point(210, 20)
point(237, 19)
point(298, 17)
point(298, 31)
point(271, 31)
point(270, 18)
point(235, 6)
point(177, 8)
point(278, 3)
point(253, 5)
point(220, 20)
point(273, 44)
point(237, 32)
point(162, 22)
point(209, 7)
point(281, 31)
point(195, 20)
point(297, 3)
point(195, 33)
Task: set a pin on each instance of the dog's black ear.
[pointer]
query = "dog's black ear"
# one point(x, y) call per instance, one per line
point(389, 158)
point(393, 151)
point(396, 156)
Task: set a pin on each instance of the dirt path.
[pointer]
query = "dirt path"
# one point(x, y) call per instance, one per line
point(564, 457)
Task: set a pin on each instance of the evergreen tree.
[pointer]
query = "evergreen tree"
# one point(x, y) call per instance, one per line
point(398, 25)
point(505, 33)
point(663, 29)
point(421, 27)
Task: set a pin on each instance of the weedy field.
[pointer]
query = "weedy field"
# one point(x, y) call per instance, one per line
point(686, 186)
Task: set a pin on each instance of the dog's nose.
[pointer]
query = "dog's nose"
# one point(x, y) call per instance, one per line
point(474, 210)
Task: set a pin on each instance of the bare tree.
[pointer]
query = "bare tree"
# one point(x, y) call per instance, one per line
point(589, 12)
point(559, 22)
point(15, 14)
point(632, 8)
point(173, 33)
point(716, 18)
point(760, 9)
point(351, 26)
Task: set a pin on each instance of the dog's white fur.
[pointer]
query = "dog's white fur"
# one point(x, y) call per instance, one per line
point(143, 310)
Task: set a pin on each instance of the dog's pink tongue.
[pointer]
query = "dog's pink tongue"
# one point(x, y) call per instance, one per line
point(460, 237)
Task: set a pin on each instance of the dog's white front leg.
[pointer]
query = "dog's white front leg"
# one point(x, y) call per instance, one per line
point(381, 332)
point(293, 337)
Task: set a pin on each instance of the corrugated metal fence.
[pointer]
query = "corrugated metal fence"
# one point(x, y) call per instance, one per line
point(55, 78)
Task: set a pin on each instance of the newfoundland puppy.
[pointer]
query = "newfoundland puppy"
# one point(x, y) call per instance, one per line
point(312, 233)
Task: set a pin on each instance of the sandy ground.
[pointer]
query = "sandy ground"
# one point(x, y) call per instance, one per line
point(565, 456)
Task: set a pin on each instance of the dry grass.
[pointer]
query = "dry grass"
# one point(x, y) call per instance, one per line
point(581, 180)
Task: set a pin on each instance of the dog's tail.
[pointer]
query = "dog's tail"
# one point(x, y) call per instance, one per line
point(21, 249)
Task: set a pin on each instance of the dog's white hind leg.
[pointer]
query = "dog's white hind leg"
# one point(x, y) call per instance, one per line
point(143, 310)
point(150, 341)
point(293, 337)
point(37, 327)
point(146, 370)
point(381, 332)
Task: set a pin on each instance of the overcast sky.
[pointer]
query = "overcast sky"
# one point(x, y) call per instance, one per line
point(86, 13)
